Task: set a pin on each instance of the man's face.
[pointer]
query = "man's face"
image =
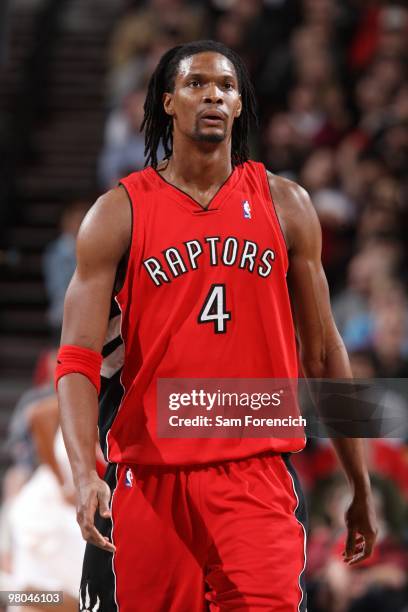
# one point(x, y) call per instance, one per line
point(206, 100)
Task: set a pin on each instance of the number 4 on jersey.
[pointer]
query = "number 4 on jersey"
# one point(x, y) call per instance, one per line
point(214, 309)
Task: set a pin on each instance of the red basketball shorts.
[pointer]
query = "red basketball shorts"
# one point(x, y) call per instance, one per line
point(229, 536)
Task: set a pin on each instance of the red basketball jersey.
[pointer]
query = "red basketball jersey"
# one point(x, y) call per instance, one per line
point(184, 261)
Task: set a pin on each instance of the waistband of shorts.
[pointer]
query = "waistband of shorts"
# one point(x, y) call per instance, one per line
point(195, 467)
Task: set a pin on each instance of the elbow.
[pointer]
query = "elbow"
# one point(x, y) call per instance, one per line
point(330, 362)
point(314, 369)
point(314, 366)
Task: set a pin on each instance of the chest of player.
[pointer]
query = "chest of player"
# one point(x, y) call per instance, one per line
point(176, 237)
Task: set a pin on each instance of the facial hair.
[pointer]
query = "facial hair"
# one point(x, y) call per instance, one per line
point(199, 136)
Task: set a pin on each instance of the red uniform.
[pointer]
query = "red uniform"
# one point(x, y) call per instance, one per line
point(204, 296)
point(179, 253)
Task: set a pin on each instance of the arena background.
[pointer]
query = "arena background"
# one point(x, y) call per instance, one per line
point(330, 78)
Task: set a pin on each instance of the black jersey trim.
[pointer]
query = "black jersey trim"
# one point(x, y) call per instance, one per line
point(111, 346)
point(203, 208)
point(111, 396)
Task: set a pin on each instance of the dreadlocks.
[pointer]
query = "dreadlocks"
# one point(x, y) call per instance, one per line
point(157, 125)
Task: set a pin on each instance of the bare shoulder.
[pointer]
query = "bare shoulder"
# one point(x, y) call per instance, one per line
point(106, 228)
point(292, 193)
point(295, 210)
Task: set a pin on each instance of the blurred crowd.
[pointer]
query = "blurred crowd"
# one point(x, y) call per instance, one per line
point(333, 104)
point(330, 79)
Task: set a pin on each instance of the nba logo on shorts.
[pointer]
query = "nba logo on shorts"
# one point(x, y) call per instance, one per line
point(129, 478)
point(246, 207)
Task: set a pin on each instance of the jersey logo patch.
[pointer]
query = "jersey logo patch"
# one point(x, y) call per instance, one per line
point(129, 478)
point(246, 209)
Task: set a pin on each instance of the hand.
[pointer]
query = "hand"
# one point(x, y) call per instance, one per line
point(94, 494)
point(361, 529)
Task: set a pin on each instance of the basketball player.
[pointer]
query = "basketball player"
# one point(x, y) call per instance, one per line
point(204, 254)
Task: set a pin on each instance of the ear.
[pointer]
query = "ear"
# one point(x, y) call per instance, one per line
point(168, 103)
point(239, 107)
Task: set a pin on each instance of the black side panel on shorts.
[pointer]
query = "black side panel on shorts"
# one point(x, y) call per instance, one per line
point(109, 402)
point(112, 391)
point(97, 591)
point(301, 515)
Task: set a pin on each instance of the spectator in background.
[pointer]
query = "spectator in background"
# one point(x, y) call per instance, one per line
point(138, 31)
point(59, 263)
point(390, 331)
point(282, 149)
point(370, 267)
point(19, 443)
point(21, 450)
point(379, 584)
point(40, 544)
point(123, 150)
point(47, 546)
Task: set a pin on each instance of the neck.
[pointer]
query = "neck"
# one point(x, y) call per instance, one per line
point(199, 164)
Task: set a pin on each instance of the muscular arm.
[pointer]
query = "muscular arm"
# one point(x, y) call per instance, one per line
point(102, 241)
point(322, 351)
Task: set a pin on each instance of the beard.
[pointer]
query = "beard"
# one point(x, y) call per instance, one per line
point(201, 136)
